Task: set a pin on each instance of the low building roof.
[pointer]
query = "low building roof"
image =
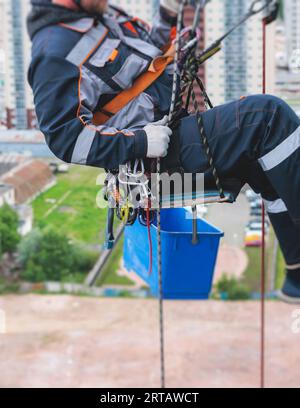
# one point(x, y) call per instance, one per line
point(29, 179)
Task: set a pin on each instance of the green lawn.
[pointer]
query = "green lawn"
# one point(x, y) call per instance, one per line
point(252, 274)
point(70, 206)
point(280, 271)
point(7, 287)
point(251, 277)
point(293, 102)
point(109, 275)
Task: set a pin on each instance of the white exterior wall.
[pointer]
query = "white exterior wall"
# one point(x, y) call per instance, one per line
point(292, 25)
point(271, 59)
point(139, 8)
point(7, 197)
point(2, 65)
point(254, 55)
point(25, 214)
point(5, 21)
point(215, 72)
point(255, 52)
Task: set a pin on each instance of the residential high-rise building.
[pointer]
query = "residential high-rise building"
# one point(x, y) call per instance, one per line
point(215, 71)
point(2, 87)
point(235, 51)
point(288, 54)
point(15, 45)
point(16, 101)
point(237, 69)
point(18, 66)
point(2, 66)
point(155, 6)
point(292, 25)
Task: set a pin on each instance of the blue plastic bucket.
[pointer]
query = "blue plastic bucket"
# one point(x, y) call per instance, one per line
point(187, 269)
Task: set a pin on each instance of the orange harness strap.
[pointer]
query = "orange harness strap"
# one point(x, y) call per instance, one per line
point(155, 70)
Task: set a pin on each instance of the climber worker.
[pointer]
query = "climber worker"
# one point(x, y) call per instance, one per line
point(85, 54)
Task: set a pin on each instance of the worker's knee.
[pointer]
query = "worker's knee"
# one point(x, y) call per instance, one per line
point(276, 114)
point(267, 102)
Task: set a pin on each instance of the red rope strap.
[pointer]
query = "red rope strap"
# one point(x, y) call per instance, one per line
point(263, 246)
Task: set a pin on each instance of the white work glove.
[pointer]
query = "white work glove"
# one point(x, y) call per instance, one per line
point(158, 137)
point(171, 5)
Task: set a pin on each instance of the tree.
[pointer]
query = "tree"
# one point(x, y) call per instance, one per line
point(50, 259)
point(9, 236)
point(48, 255)
point(232, 289)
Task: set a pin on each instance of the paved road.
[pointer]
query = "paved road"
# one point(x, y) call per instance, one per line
point(232, 219)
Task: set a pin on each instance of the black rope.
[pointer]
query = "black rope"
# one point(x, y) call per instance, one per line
point(188, 78)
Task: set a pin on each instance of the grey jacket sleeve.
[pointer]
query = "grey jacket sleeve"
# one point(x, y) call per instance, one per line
point(69, 132)
point(162, 26)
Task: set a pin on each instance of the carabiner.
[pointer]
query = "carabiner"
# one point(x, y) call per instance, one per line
point(252, 9)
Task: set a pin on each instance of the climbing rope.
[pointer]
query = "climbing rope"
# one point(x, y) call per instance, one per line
point(271, 15)
point(186, 82)
point(263, 244)
point(159, 193)
point(158, 171)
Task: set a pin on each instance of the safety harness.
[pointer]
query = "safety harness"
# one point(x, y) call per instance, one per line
point(124, 185)
point(156, 69)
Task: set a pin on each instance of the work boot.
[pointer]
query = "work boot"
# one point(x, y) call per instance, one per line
point(290, 292)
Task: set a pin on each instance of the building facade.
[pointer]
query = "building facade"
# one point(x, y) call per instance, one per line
point(140, 8)
point(16, 103)
point(292, 25)
point(237, 69)
point(2, 67)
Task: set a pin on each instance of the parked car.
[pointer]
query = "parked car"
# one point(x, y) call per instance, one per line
point(59, 167)
point(253, 238)
point(251, 195)
point(256, 226)
point(63, 168)
point(258, 219)
point(256, 212)
point(53, 167)
point(255, 204)
point(255, 243)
